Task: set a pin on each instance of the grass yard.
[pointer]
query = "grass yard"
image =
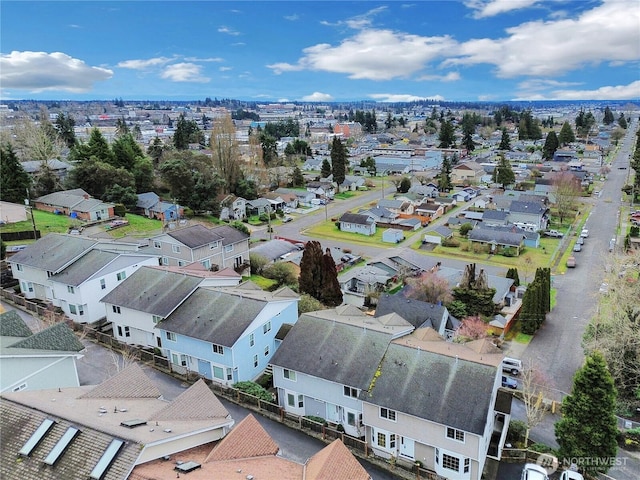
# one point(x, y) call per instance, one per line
point(139, 226)
point(344, 195)
point(329, 230)
point(263, 282)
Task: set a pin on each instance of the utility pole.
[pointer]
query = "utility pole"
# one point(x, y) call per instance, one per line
point(33, 218)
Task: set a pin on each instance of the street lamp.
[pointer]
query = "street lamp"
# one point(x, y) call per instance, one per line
point(33, 218)
point(268, 210)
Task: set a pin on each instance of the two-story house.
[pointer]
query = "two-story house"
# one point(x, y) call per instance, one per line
point(437, 402)
point(215, 248)
point(530, 213)
point(232, 207)
point(148, 296)
point(328, 358)
point(228, 334)
point(78, 288)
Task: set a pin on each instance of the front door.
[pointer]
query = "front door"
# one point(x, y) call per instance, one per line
point(407, 447)
point(204, 368)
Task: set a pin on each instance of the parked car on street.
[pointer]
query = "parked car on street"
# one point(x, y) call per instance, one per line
point(571, 475)
point(571, 262)
point(584, 233)
point(580, 241)
point(577, 247)
point(511, 365)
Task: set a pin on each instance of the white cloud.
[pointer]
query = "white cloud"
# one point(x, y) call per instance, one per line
point(372, 55)
point(402, 97)
point(42, 71)
point(490, 8)
point(228, 31)
point(358, 22)
point(449, 77)
point(144, 64)
point(225, 69)
point(292, 18)
point(184, 72)
point(617, 92)
point(606, 33)
point(317, 97)
point(206, 59)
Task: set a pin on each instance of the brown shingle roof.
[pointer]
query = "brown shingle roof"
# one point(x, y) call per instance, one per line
point(131, 382)
point(198, 402)
point(247, 439)
point(335, 462)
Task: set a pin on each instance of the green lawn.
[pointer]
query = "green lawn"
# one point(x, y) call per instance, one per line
point(138, 226)
point(344, 195)
point(262, 282)
point(329, 230)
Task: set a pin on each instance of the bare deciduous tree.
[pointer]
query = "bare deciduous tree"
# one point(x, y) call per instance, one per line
point(429, 287)
point(225, 152)
point(566, 188)
point(535, 388)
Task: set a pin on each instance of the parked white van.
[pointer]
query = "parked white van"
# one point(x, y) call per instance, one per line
point(511, 365)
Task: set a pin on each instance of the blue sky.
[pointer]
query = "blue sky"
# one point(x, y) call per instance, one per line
point(471, 50)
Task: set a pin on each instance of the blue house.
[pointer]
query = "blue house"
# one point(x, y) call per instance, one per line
point(227, 335)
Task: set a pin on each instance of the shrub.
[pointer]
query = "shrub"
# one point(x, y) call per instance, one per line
point(119, 210)
point(254, 389)
point(542, 448)
point(509, 252)
point(465, 228)
point(450, 242)
point(313, 418)
point(238, 225)
point(517, 431)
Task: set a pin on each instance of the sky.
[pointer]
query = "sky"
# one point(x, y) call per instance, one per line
point(322, 51)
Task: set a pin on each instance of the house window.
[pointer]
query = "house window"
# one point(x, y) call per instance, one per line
point(115, 308)
point(206, 263)
point(72, 309)
point(171, 336)
point(228, 248)
point(381, 440)
point(175, 248)
point(121, 276)
point(219, 349)
point(229, 374)
point(388, 414)
point(22, 386)
point(103, 284)
point(255, 361)
point(127, 333)
point(27, 287)
point(467, 464)
point(266, 351)
point(392, 440)
point(157, 244)
point(266, 327)
point(18, 267)
point(252, 340)
point(351, 419)
point(455, 434)
point(450, 462)
point(157, 318)
point(291, 399)
point(81, 309)
point(350, 392)
point(300, 401)
point(289, 374)
point(70, 289)
point(237, 262)
point(180, 263)
point(218, 372)
point(213, 245)
point(165, 261)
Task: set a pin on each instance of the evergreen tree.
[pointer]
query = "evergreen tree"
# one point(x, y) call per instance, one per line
point(531, 316)
point(65, 127)
point(512, 273)
point(551, 144)
point(338, 162)
point(330, 293)
point(156, 147)
point(14, 181)
point(608, 116)
point(311, 267)
point(588, 428)
point(126, 151)
point(405, 185)
point(444, 179)
point(504, 173)
point(566, 134)
point(447, 134)
point(46, 182)
point(325, 169)
point(297, 179)
point(468, 129)
point(505, 141)
point(622, 121)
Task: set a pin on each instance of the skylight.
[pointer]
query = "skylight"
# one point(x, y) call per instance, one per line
point(106, 460)
point(133, 423)
point(37, 437)
point(59, 448)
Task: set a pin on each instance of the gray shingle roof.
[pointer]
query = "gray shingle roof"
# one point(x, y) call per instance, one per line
point(131, 382)
point(85, 267)
point(147, 200)
point(273, 249)
point(356, 219)
point(12, 325)
point(197, 235)
point(434, 387)
point(198, 402)
point(213, 316)
point(58, 337)
point(415, 312)
point(53, 251)
point(501, 238)
point(534, 208)
point(333, 351)
point(152, 291)
point(495, 215)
